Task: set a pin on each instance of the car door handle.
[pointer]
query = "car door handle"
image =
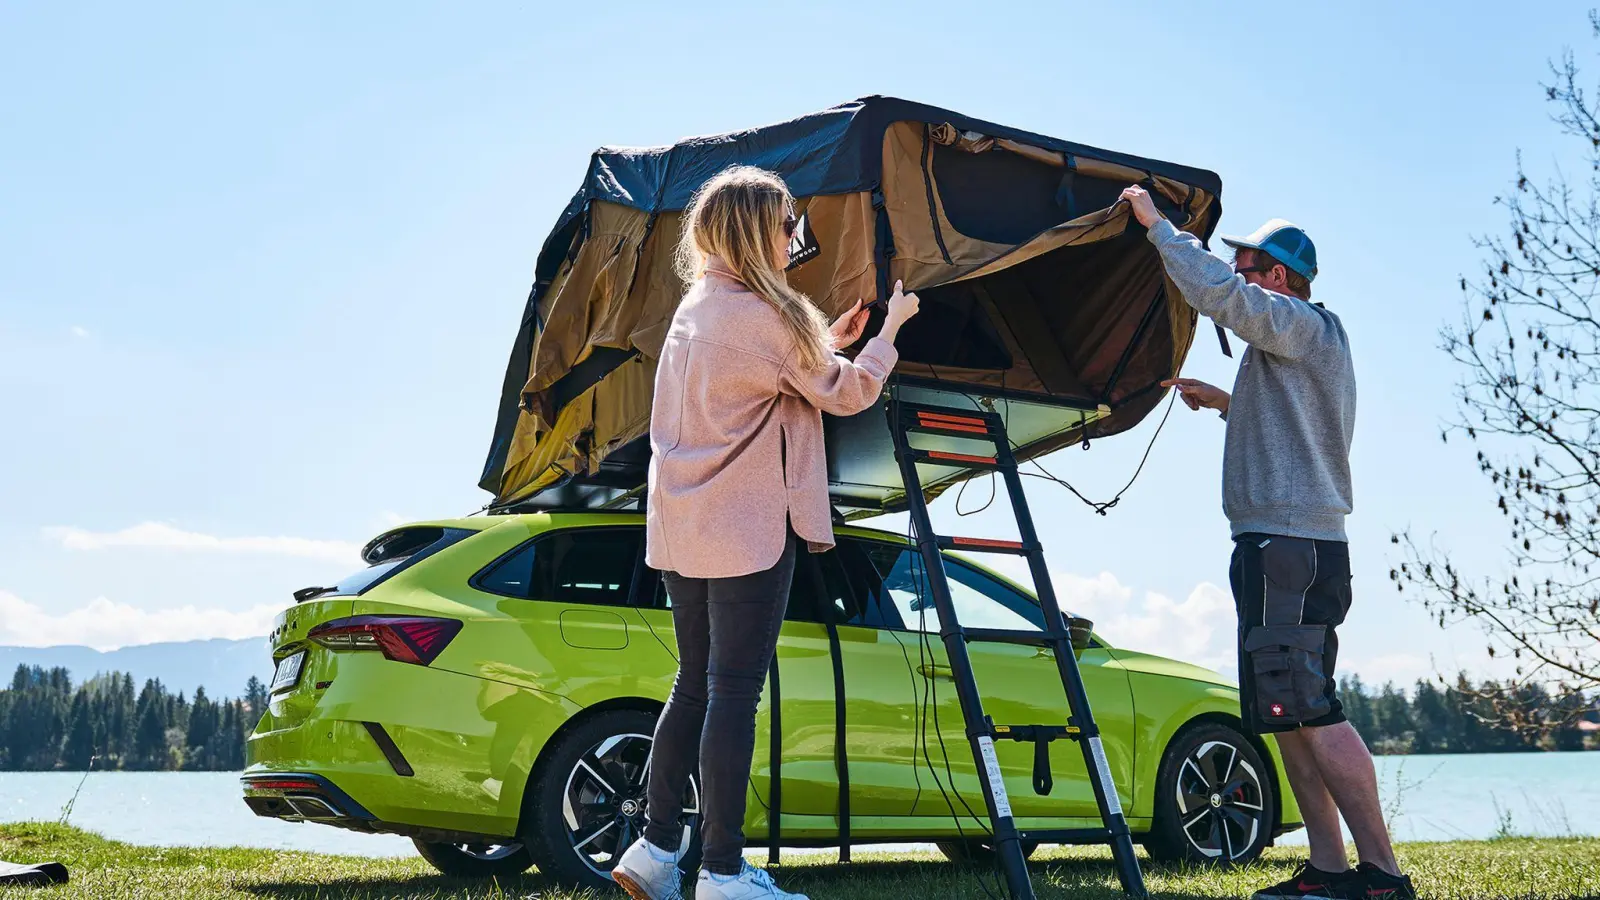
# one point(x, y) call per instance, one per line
point(935, 671)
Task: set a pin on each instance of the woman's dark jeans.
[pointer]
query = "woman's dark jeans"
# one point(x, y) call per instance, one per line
point(727, 630)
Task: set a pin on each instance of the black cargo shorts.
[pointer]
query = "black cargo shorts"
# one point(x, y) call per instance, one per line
point(1291, 594)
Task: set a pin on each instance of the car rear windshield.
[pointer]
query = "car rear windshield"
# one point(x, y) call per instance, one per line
point(393, 553)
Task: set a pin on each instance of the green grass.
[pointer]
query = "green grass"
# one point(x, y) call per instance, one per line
point(104, 870)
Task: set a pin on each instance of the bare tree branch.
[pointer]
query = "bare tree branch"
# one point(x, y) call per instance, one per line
point(1528, 399)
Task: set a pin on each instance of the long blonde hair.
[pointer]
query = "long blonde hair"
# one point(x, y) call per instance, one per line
point(735, 217)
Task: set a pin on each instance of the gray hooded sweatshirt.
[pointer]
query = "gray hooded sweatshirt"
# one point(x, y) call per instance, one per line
point(1286, 457)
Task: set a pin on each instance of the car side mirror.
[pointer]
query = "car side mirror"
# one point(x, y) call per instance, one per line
point(1081, 629)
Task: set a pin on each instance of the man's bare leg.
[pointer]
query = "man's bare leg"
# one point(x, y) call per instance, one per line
point(1347, 774)
point(1317, 808)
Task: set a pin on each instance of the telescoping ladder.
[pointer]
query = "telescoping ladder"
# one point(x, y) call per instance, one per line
point(906, 419)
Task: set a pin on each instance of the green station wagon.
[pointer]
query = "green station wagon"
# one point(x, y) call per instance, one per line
point(488, 686)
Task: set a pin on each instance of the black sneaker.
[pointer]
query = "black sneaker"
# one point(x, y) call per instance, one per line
point(1376, 884)
point(1311, 883)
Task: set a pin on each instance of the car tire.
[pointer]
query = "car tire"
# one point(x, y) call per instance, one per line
point(479, 861)
point(1215, 799)
point(585, 803)
point(973, 852)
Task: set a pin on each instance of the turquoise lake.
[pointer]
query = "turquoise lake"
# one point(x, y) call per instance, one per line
point(1429, 798)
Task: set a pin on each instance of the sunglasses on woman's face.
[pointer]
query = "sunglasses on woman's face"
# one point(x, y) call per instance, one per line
point(789, 225)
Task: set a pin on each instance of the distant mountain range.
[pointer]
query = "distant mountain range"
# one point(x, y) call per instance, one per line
point(222, 666)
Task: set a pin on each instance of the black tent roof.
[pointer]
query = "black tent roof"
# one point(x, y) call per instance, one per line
point(835, 151)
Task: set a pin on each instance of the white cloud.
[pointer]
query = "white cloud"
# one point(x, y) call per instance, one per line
point(78, 331)
point(107, 625)
point(157, 535)
point(1198, 629)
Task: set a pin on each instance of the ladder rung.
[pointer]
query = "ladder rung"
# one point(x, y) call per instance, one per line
point(1023, 733)
point(965, 459)
point(951, 428)
point(1068, 835)
point(929, 420)
point(984, 545)
point(928, 415)
point(1012, 636)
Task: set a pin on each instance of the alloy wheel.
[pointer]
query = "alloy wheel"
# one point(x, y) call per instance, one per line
point(1220, 805)
point(603, 803)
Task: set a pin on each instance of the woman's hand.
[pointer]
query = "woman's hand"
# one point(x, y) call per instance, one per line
point(1197, 394)
point(846, 329)
point(902, 306)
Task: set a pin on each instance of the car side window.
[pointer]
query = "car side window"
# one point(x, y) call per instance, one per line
point(841, 589)
point(582, 565)
point(979, 600)
point(510, 575)
point(865, 568)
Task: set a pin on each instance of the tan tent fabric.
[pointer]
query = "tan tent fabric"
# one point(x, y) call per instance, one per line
point(918, 257)
point(844, 271)
point(838, 276)
point(635, 314)
point(656, 290)
point(586, 307)
point(541, 453)
point(1069, 306)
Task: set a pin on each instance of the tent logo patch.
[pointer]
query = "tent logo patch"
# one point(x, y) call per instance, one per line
point(803, 245)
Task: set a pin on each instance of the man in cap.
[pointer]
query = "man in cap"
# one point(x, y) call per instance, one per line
point(1286, 492)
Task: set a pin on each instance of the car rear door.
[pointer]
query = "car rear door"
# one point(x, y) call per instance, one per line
point(880, 695)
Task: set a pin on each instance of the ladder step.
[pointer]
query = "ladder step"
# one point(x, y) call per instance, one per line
point(966, 460)
point(928, 415)
point(937, 421)
point(1024, 733)
point(985, 545)
point(1014, 636)
point(1068, 835)
point(976, 431)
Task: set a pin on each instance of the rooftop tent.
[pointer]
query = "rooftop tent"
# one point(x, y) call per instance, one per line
point(1039, 291)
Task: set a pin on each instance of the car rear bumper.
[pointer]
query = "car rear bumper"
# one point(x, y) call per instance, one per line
point(302, 797)
point(408, 748)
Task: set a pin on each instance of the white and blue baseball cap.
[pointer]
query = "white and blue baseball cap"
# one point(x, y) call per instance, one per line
point(1285, 242)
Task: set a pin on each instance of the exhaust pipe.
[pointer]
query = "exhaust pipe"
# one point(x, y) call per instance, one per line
point(308, 807)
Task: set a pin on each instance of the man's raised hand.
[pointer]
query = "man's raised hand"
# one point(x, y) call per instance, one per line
point(1199, 395)
point(1144, 208)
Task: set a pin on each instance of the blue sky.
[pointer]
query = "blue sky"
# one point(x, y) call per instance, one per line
point(260, 268)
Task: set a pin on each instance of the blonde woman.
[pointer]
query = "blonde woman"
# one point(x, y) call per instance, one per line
point(737, 480)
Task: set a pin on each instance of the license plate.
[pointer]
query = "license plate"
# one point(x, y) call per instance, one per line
point(288, 672)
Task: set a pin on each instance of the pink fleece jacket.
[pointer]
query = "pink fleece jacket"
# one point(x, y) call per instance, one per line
point(736, 434)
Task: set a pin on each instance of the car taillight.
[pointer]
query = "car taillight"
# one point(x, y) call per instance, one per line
point(282, 784)
point(409, 639)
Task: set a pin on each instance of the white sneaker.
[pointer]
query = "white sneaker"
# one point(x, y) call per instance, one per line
point(647, 872)
point(750, 884)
